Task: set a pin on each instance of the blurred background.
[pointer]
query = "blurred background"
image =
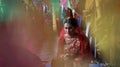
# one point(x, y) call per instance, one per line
point(31, 27)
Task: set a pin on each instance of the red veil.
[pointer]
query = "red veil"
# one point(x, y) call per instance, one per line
point(85, 52)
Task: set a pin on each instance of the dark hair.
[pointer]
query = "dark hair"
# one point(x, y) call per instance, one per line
point(71, 21)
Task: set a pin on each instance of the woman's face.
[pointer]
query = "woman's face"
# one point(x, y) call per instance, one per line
point(69, 29)
point(68, 13)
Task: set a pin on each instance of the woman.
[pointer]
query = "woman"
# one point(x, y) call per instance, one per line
point(73, 45)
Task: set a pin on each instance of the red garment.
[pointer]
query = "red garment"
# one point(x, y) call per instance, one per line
point(79, 43)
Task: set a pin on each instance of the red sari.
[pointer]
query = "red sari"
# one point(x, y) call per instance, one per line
point(75, 49)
